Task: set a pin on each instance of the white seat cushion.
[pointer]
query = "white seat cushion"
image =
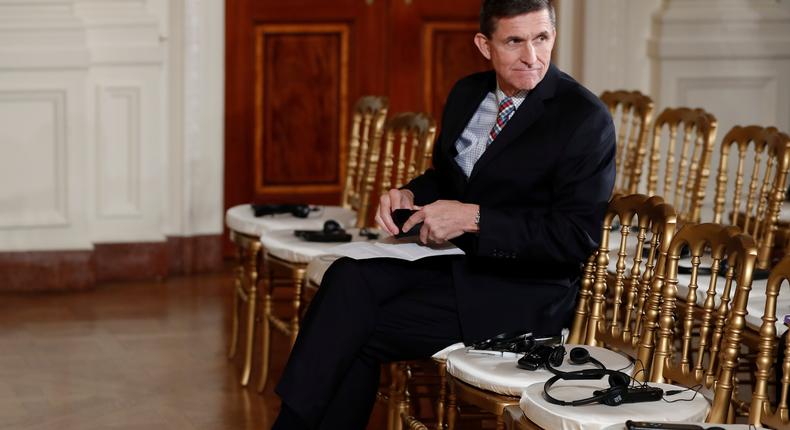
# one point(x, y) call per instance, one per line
point(499, 374)
point(241, 219)
point(599, 416)
point(442, 355)
point(285, 245)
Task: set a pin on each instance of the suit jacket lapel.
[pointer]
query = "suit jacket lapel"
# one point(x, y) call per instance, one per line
point(528, 112)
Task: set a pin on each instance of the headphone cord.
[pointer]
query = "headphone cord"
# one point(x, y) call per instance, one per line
point(695, 388)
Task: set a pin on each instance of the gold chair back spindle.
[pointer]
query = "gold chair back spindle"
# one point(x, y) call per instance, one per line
point(684, 188)
point(711, 332)
point(762, 411)
point(629, 292)
point(632, 112)
point(758, 213)
point(414, 133)
point(370, 113)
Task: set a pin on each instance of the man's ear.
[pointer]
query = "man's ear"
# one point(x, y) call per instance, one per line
point(482, 45)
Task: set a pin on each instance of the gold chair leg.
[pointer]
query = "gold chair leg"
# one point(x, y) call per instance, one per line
point(299, 278)
point(252, 268)
point(451, 406)
point(440, 407)
point(404, 401)
point(266, 328)
point(237, 290)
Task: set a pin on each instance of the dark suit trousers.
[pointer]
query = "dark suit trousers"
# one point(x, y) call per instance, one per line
point(367, 312)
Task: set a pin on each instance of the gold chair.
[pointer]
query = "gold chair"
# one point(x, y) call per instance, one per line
point(708, 349)
point(710, 324)
point(685, 160)
point(246, 229)
point(655, 222)
point(774, 414)
point(287, 257)
point(632, 112)
point(622, 313)
point(756, 213)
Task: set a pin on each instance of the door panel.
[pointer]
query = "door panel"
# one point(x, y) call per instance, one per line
point(301, 107)
point(432, 47)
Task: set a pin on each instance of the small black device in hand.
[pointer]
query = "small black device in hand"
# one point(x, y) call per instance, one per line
point(399, 217)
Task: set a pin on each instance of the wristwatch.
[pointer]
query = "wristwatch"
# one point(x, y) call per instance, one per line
point(477, 218)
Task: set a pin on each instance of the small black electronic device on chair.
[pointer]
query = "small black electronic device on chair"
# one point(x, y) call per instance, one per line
point(332, 232)
point(297, 210)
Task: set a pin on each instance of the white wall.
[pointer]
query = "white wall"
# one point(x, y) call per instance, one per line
point(103, 135)
point(730, 57)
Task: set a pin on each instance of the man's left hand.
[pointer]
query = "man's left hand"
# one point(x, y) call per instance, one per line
point(444, 220)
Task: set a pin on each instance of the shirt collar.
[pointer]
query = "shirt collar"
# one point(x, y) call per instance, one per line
point(517, 98)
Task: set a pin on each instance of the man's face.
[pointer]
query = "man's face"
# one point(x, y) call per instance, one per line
point(519, 50)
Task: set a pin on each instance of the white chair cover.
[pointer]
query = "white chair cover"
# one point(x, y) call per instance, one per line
point(600, 416)
point(499, 374)
point(285, 245)
point(241, 219)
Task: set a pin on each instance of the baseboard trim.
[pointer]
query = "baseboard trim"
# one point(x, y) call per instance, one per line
point(80, 270)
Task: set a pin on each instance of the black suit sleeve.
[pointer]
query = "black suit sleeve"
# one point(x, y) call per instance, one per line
point(568, 229)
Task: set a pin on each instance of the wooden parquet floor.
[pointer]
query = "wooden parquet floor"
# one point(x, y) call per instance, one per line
point(145, 355)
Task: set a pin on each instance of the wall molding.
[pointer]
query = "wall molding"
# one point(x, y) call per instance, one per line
point(109, 262)
point(118, 133)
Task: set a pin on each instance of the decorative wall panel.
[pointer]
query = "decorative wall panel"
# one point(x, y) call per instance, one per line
point(118, 151)
point(301, 105)
point(33, 165)
point(448, 55)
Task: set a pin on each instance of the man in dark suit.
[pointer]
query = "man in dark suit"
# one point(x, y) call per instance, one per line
point(521, 176)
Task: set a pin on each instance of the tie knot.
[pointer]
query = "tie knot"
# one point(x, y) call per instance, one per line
point(505, 103)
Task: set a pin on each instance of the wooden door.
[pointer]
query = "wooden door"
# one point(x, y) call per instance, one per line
point(431, 48)
point(295, 68)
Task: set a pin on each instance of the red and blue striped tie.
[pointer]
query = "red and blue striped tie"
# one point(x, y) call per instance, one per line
point(506, 110)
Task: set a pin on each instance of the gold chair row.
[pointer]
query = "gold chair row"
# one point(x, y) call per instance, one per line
point(696, 337)
point(696, 340)
point(685, 160)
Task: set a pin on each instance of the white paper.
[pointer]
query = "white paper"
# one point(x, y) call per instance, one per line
point(405, 249)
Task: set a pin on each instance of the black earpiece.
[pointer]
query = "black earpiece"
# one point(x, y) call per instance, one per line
point(619, 391)
point(331, 226)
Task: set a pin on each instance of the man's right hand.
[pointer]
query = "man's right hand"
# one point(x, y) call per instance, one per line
point(389, 201)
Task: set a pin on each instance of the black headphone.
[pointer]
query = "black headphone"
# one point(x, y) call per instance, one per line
point(620, 390)
point(332, 227)
point(298, 210)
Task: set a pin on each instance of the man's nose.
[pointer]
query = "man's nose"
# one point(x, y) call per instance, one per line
point(528, 55)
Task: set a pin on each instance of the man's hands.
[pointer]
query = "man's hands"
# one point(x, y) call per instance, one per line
point(442, 220)
point(394, 199)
